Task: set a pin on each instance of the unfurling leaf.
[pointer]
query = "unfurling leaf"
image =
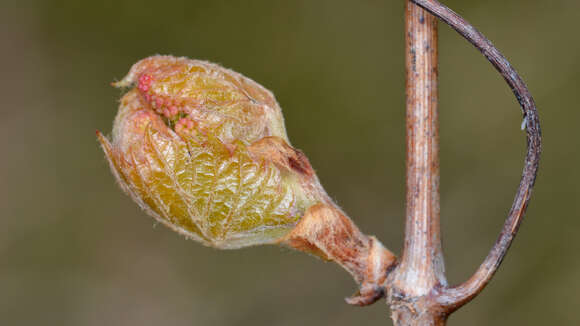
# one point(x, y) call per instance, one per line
point(204, 151)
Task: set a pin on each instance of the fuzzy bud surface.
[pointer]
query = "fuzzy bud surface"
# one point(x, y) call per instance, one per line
point(204, 151)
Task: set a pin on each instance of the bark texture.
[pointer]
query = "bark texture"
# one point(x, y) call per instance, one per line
point(421, 271)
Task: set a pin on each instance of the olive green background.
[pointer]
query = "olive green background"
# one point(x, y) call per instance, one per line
point(74, 250)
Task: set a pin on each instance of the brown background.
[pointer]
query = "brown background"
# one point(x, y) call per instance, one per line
point(75, 251)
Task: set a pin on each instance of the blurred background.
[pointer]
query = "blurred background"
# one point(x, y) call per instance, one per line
point(74, 250)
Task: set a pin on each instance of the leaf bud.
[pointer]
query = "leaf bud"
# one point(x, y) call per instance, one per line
point(204, 151)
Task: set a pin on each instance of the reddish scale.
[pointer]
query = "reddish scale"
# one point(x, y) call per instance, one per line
point(186, 127)
point(184, 124)
point(145, 83)
point(173, 110)
point(166, 107)
point(159, 102)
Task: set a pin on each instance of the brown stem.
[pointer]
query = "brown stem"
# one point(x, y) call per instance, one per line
point(455, 297)
point(421, 268)
point(325, 231)
point(416, 287)
point(422, 256)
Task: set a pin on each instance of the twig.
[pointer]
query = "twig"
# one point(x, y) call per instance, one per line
point(453, 298)
point(422, 256)
point(417, 290)
point(421, 267)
